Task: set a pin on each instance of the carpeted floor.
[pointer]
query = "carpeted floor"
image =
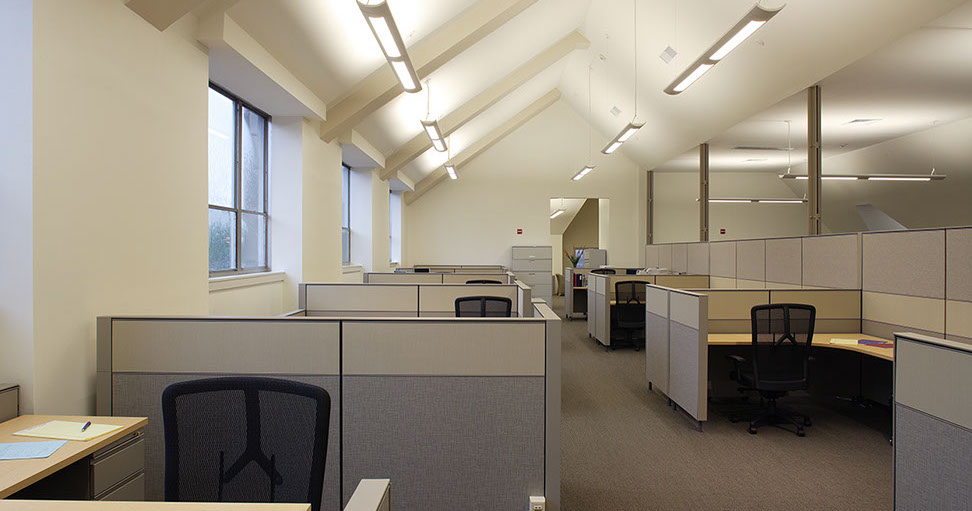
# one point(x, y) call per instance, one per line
point(623, 448)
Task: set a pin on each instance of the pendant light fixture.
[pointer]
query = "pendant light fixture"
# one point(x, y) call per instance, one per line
point(589, 167)
point(383, 26)
point(634, 125)
point(431, 126)
point(739, 32)
point(559, 211)
point(450, 167)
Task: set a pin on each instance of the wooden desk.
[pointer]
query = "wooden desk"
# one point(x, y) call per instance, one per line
point(87, 505)
point(16, 475)
point(821, 340)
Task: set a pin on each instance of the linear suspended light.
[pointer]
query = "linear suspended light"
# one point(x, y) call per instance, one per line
point(557, 213)
point(622, 137)
point(739, 32)
point(583, 172)
point(759, 201)
point(451, 169)
point(383, 26)
point(869, 177)
point(435, 134)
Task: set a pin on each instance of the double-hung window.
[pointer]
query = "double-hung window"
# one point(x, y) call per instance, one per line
point(238, 213)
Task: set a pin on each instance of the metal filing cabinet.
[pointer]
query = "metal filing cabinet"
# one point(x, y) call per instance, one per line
point(534, 266)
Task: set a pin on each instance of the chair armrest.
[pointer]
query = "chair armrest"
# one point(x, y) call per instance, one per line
point(737, 359)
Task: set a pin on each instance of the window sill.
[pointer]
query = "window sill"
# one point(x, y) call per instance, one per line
point(249, 279)
point(352, 268)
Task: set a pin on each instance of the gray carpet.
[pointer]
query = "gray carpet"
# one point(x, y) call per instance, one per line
point(623, 448)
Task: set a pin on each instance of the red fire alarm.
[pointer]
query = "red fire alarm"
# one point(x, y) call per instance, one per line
point(519, 231)
point(722, 231)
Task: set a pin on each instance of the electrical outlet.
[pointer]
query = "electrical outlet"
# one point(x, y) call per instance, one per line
point(538, 503)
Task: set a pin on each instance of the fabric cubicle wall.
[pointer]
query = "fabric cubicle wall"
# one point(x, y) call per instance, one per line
point(401, 300)
point(413, 399)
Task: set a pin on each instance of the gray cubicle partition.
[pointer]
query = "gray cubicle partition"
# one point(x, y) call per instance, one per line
point(436, 277)
point(401, 300)
point(453, 410)
point(932, 423)
point(677, 347)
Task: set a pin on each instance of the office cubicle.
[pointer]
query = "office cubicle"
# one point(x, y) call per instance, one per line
point(403, 300)
point(413, 399)
point(932, 423)
point(435, 278)
point(911, 280)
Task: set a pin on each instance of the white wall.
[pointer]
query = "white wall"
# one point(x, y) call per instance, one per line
point(321, 205)
point(369, 220)
point(395, 219)
point(263, 299)
point(16, 199)
point(286, 222)
point(676, 207)
point(120, 183)
point(473, 220)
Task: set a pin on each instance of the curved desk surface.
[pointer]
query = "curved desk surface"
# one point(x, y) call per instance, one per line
point(821, 340)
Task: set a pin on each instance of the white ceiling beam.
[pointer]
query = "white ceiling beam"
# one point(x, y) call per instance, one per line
point(479, 104)
point(357, 151)
point(481, 145)
point(427, 55)
point(239, 62)
point(162, 13)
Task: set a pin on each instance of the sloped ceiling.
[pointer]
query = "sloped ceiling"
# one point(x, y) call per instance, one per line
point(328, 46)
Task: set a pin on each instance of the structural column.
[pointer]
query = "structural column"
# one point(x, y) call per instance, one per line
point(813, 159)
point(704, 192)
point(649, 221)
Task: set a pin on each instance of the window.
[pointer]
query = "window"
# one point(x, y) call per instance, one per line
point(345, 214)
point(238, 217)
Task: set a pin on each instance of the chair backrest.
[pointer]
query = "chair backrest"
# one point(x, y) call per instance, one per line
point(604, 271)
point(483, 307)
point(782, 335)
point(421, 270)
point(631, 271)
point(629, 296)
point(245, 439)
point(483, 281)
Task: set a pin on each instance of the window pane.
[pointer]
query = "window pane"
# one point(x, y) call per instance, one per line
point(222, 240)
point(221, 150)
point(345, 196)
point(346, 245)
point(254, 132)
point(254, 247)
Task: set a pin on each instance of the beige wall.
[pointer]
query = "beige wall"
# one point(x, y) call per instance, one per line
point(120, 183)
point(473, 220)
point(582, 231)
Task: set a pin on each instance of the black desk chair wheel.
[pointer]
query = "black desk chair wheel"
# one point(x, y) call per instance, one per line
point(483, 281)
point(629, 311)
point(483, 307)
point(245, 439)
point(778, 363)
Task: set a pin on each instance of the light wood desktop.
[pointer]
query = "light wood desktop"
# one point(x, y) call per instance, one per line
point(821, 340)
point(18, 474)
point(88, 505)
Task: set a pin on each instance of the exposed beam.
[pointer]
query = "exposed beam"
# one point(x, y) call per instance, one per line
point(481, 145)
point(429, 54)
point(357, 151)
point(162, 13)
point(479, 104)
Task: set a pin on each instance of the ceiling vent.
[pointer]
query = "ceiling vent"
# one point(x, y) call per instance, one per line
point(615, 111)
point(668, 54)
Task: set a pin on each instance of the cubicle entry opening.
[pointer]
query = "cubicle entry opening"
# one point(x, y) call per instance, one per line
point(396, 385)
point(403, 300)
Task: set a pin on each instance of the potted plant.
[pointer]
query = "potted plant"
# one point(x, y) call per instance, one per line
point(574, 259)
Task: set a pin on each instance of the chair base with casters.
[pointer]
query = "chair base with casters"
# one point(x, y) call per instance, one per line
point(771, 414)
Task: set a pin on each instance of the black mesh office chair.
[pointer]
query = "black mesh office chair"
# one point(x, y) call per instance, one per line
point(483, 307)
point(483, 281)
point(604, 271)
point(245, 439)
point(631, 271)
point(629, 312)
point(421, 270)
point(779, 361)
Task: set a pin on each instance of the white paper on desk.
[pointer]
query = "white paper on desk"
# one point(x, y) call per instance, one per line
point(30, 450)
point(67, 430)
point(844, 342)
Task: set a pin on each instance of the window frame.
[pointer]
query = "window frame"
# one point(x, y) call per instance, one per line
point(238, 105)
point(346, 192)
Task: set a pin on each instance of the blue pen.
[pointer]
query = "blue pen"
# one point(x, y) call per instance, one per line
point(86, 424)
